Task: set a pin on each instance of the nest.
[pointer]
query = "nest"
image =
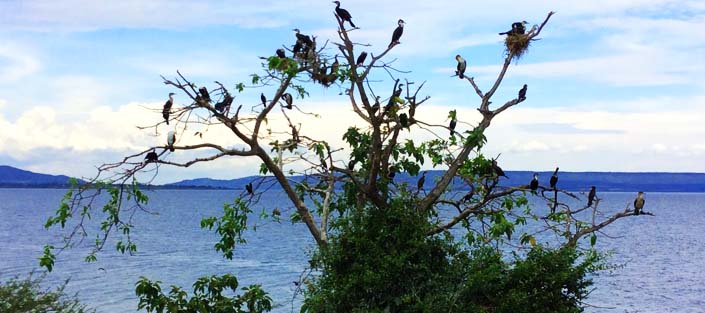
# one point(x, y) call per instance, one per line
point(517, 44)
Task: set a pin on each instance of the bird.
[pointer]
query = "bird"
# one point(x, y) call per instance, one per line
point(591, 196)
point(421, 181)
point(204, 94)
point(170, 140)
point(361, 58)
point(396, 94)
point(639, 203)
point(288, 99)
point(375, 107)
point(351, 164)
point(404, 120)
point(534, 183)
point(343, 14)
point(151, 157)
point(263, 99)
point(518, 28)
point(167, 107)
point(462, 64)
point(305, 39)
point(335, 66)
point(554, 179)
point(397, 33)
point(467, 197)
point(225, 104)
point(248, 187)
point(453, 122)
point(281, 54)
point(391, 172)
point(497, 170)
point(522, 93)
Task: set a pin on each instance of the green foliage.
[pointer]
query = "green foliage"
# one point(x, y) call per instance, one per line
point(229, 227)
point(210, 294)
point(26, 295)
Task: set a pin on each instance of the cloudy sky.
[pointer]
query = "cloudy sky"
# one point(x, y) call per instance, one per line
point(614, 85)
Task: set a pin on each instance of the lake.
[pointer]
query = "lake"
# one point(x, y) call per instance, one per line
point(663, 257)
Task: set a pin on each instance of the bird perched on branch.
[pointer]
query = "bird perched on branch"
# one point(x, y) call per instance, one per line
point(518, 28)
point(404, 120)
point(361, 58)
point(289, 100)
point(397, 33)
point(452, 124)
point(591, 196)
point(534, 185)
point(393, 99)
point(522, 93)
point(375, 106)
point(224, 105)
point(639, 203)
point(497, 170)
point(167, 107)
point(205, 96)
point(249, 189)
point(263, 99)
point(421, 181)
point(462, 64)
point(343, 14)
point(554, 179)
point(281, 54)
point(151, 157)
point(170, 140)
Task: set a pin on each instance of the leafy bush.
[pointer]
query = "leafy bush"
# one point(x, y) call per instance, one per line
point(26, 295)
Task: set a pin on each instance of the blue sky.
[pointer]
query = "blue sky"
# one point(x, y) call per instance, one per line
point(613, 85)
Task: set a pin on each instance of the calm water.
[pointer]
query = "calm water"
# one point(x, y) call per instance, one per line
point(663, 256)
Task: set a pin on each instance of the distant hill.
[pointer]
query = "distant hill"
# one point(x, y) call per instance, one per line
point(14, 178)
point(11, 177)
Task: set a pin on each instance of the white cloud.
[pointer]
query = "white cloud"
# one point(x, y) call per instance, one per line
point(16, 62)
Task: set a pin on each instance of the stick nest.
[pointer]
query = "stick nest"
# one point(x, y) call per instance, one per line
point(517, 45)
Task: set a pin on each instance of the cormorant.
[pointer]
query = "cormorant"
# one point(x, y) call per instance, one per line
point(518, 28)
point(297, 47)
point(453, 122)
point(167, 107)
point(263, 99)
point(351, 165)
point(343, 14)
point(591, 196)
point(497, 170)
point(391, 172)
point(397, 33)
point(396, 94)
point(170, 140)
point(288, 99)
point(248, 187)
point(334, 67)
point(281, 54)
point(305, 39)
point(361, 58)
point(534, 183)
point(204, 94)
point(421, 181)
point(404, 120)
point(151, 157)
point(554, 179)
point(639, 203)
point(462, 64)
point(225, 104)
point(522, 93)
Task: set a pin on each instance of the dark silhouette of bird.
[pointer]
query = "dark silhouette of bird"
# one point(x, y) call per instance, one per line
point(263, 99)
point(305, 39)
point(351, 165)
point(170, 140)
point(167, 107)
point(297, 47)
point(397, 33)
point(404, 120)
point(335, 66)
point(497, 170)
point(205, 96)
point(151, 157)
point(462, 64)
point(289, 100)
point(391, 172)
point(361, 58)
point(453, 123)
point(534, 183)
point(343, 14)
point(554, 179)
point(375, 107)
point(224, 105)
point(392, 99)
point(421, 181)
point(591, 196)
point(639, 203)
point(522, 93)
point(281, 54)
point(518, 28)
point(249, 189)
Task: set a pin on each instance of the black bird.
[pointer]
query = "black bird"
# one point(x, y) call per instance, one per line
point(305, 39)
point(343, 14)
point(453, 122)
point(462, 64)
point(591, 196)
point(297, 47)
point(534, 183)
point(288, 99)
point(375, 107)
point(497, 170)
point(391, 172)
point(281, 54)
point(167, 107)
point(639, 203)
point(518, 28)
point(361, 58)
point(392, 99)
point(204, 94)
point(404, 120)
point(263, 99)
point(170, 140)
point(248, 187)
point(151, 157)
point(351, 165)
point(421, 181)
point(397, 33)
point(224, 105)
point(335, 66)
point(522, 93)
point(554, 179)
